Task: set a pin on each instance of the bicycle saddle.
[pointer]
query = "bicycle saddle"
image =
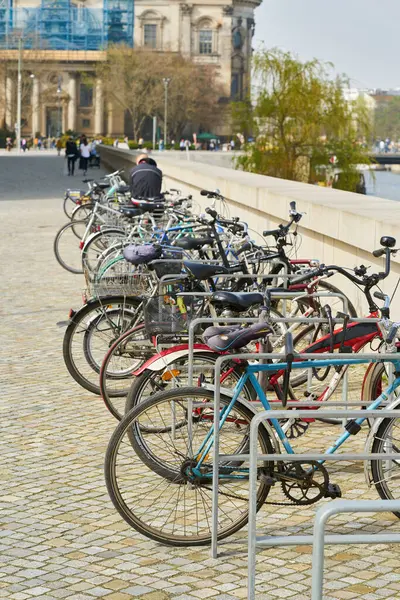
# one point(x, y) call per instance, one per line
point(141, 255)
point(237, 301)
point(148, 205)
point(131, 211)
point(203, 271)
point(222, 339)
point(123, 189)
point(103, 185)
point(188, 243)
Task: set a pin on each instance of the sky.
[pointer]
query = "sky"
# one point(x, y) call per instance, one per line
point(361, 37)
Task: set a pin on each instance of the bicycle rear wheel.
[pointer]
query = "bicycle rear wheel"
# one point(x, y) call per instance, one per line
point(148, 474)
point(67, 248)
point(98, 323)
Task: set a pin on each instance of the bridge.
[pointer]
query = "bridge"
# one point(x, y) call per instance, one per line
point(386, 159)
point(61, 536)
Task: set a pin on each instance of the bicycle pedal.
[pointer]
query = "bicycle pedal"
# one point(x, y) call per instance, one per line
point(333, 491)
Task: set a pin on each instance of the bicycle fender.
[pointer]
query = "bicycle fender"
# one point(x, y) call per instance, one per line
point(370, 438)
point(158, 362)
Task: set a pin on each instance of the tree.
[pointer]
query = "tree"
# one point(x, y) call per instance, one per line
point(133, 80)
point(387, 119)
point(301, 119)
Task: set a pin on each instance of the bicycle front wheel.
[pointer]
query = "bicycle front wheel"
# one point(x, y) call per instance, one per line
point(386, 473)
point(149, 475)
point(67, 248)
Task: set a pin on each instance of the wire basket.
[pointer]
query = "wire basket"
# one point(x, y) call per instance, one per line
point(121, 284)
point(168, 314)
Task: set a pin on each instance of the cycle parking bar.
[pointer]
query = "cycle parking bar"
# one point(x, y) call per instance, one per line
point(254, 457)
point(342, 357)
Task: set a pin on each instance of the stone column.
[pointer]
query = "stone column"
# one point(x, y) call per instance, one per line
point(35, 106)
point(98, 108)
point(225, 48)
point(186, 29)
point(9, 102)
point(72, 102)
point(109, 119)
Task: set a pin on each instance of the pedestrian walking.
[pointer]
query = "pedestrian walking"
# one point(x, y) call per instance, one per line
point(39, 144)
point(182, 145)
point(35, 143)
point(23, 145)
point(59, 146)
point(71, 153)
point(85, 155)
point(8, 144)
point(140, 143)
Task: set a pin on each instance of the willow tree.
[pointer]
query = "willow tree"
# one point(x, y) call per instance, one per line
point(300, 120)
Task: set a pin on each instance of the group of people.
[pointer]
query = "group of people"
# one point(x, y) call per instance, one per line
point(81, 150)
point(386, 146)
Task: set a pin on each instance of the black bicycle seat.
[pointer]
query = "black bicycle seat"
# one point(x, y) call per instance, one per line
point(222, 339)
point(203, 271)
point(237, 301)
point(188, 243)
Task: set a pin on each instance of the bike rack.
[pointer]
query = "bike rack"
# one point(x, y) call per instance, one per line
point(365, 358)
point(318, 539)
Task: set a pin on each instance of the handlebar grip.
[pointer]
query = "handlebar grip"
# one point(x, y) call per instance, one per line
point(293, 205)
point(272, 232)
point(378, 253)
point(379, 295)
point(204, 192)
point(213, 213)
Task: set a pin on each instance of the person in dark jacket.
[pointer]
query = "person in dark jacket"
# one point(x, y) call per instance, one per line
point(145, 178)
point(71, 152)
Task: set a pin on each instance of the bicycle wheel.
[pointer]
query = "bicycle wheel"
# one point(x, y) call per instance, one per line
point(67, 246)
point(149, 477)
point(175, 375)
point(69, 206)
point(334, 303)
point(386, 473)
point(97, 244)
point(82, 212)
point(125, 355)
point(115, 314)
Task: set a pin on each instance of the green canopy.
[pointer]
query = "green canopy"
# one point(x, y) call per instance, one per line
point(205, 137)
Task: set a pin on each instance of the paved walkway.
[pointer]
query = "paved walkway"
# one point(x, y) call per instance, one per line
point(60, 536)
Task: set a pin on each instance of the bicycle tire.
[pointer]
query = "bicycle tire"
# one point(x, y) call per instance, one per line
point(96, 244)
point(332, 288)
point(56, 247)
point(68, 206)
point(74, 358)
point(381, 445)
point(144, 514)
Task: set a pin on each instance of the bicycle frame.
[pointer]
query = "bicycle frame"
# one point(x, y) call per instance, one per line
point(250, 376)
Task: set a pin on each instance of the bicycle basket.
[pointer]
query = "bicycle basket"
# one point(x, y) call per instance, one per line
point(168, 314)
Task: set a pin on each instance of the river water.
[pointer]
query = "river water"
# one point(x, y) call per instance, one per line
point(386, 184)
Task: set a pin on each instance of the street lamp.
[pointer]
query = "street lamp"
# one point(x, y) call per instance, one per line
point(19, 95)
point(59, 90)
point(166, 81)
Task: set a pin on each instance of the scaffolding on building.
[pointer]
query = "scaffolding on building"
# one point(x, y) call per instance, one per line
point(64, 25)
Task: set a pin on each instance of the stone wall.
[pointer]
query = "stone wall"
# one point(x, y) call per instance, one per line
point(338, 227)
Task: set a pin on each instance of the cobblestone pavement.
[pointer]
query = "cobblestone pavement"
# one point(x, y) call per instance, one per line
point(60, 536)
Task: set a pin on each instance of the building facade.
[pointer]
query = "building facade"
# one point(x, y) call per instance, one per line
point(63, 39)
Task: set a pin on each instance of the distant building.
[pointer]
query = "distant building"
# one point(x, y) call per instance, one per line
point(63, 39)
point(355, 94)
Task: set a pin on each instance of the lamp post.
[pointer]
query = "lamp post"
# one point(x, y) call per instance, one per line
point(19, 95)
point(59, 90)
point(166, 81)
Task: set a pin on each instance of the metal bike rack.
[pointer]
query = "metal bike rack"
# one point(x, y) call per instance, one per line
point(318, 538)
point(365, 358)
